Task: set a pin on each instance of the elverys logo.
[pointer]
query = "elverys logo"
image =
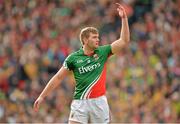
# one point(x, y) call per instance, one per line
point(89, 68)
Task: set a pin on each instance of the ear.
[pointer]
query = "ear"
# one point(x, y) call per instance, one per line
point(85, 40)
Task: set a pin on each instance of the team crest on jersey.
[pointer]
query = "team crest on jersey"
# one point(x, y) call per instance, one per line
point(96, 57)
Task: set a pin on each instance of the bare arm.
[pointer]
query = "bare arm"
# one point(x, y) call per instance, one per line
point(124, 35)
point(52, 84)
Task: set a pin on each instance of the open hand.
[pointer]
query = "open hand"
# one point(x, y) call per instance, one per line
point(121, 11)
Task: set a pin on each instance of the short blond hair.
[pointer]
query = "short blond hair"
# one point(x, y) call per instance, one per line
point(85, 33)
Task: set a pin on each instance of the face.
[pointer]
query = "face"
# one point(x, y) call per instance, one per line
point(93, 41)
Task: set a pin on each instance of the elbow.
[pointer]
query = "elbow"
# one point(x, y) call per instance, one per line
point(126, 41)
point(127, 37)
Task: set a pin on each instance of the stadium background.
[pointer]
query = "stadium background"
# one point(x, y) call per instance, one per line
point(143, 81)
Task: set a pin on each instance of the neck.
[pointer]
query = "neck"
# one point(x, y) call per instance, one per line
point(88, 51)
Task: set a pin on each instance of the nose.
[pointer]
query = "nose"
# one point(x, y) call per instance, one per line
point(98, 40)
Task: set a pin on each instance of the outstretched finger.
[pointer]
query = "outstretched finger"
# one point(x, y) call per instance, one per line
point(120, 7)
point(118, 4)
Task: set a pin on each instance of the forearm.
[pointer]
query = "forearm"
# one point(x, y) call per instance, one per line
point(124, 35)
point(52, 84)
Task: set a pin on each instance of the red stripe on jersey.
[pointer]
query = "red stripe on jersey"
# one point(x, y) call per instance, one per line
point(99, 88)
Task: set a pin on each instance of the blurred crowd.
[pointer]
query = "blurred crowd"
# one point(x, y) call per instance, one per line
point(143, 81)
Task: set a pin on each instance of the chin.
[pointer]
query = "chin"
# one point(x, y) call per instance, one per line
point(96, 47)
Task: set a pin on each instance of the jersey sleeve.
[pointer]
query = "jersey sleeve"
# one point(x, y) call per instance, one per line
point(106, 49)
point(68, 63)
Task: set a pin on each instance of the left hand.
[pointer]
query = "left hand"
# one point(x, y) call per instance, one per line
point(121, 11)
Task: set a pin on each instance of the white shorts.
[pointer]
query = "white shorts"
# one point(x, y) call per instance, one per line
point(94, 110)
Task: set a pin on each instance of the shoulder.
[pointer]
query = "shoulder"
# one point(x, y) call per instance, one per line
point(104, 47)
point(105, 50)
point(73, 55)
point(76, 53)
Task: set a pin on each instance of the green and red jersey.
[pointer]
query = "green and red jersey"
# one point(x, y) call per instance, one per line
point(89, 72)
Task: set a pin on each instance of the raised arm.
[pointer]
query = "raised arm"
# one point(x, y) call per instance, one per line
point(124, 35)
point(52, 84)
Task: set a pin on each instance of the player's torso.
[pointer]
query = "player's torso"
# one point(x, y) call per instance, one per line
point(88, 72)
